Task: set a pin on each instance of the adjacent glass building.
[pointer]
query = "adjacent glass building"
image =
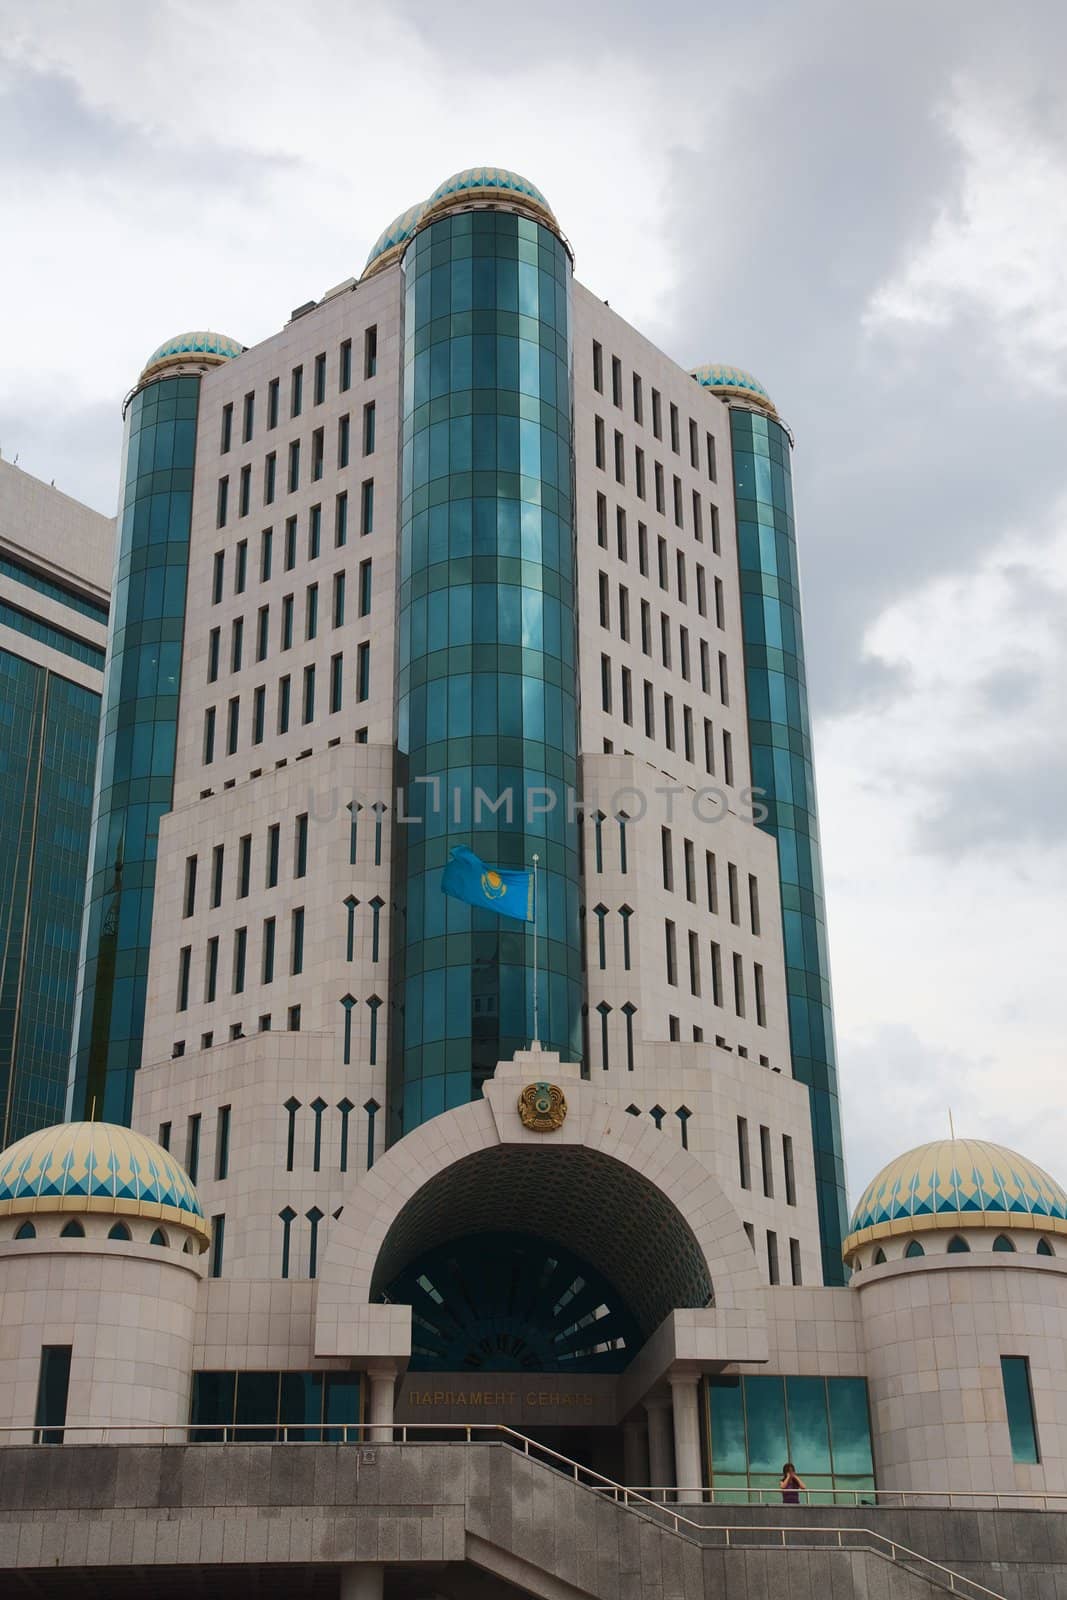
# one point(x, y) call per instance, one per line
point(53, 616)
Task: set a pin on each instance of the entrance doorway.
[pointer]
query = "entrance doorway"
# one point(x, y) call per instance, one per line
point(600, 1449)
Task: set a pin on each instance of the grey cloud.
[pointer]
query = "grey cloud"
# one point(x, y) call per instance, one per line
point(78, 447)
point(998, 810)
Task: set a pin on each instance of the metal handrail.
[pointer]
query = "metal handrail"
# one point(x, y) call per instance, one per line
point(827, 1499)
point(375, 1434)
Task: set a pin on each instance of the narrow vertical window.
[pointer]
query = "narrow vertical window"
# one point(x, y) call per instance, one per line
point(270, 478)
point(598, 367)
point(794, 1262)
point(625, 912)
point(244, 866)
point(366, 506)
point(363, 671)
point(189, 895)
point(240, 956)
point(766, 1167)
point(192, 1146)
point(369, 427)
point(373, 1005)
point(716, 973)
point(284, 695)
point(727, 758)
point(300, 846)
point(712, 880)
point(227, 430)
point(628, 1017)
point(364, 588)
point(237, 642)
point(772, 1257)
point(273, 393)
point(789, 1170)
point(694, 964)
point(296, 392)
point(287, 622)
point(320, 378)
point(262, 632)
point(308, 712)
point(314, 1217)
point(314, 532)
point(370, 352)
point(218, 568)
point(666, 850)
point(340, 519)
point(670, 951)
point(753, 904)
point(344, 366)
point(293, 476)
point(288, 1217)
point(218, 857)
point(338, 599)
point(715, 545)
point(739, 985)
point(53, 1385)
point(344, 440)
point(337, 664)
point(296, 945)
point(185, 957)
point(233, 725)
point(761, 996)
point(311, 611)
point(222, 1143)
point(248, 417)
point(244, 496)
point(211, 973)
point(346, 1108)
point(743, 1170)
point(269, 940)
point(1019, 1401)
point(371, 1107)
point(222, 502)
point(218, 1244)
point(273, 845)
point(318, 453)
point(732, 886)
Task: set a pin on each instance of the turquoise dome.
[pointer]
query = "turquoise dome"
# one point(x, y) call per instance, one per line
point(397, 233)
point(490, 180)
point(212, 348)
point(957, 1183)
point(732, 380)
point(97, 1166)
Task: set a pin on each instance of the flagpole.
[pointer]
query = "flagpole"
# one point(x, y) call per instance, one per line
point(536, 908)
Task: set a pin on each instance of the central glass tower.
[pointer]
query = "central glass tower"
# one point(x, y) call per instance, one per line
point(486, 686)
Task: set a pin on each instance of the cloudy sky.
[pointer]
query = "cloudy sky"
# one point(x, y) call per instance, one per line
point(865, 204)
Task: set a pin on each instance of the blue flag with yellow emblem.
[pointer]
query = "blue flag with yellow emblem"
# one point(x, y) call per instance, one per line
point(509, 893)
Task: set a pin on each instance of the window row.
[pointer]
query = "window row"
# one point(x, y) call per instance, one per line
point(706, 885)
point(292, 464)
point(291, 541)
point(746, 1001)
point(298, 1116)
point(237, 1030)
point(635, 393)
point(286, 714)
point(774, 1271)
point(663, 553)
point(669, 721)
point(659, 1116)
point(623, 613)
point(291, 619)
point(766, 1162)
point(295, 390)
point(232, 978)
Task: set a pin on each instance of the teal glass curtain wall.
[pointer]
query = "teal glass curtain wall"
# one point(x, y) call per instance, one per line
point(486, 670)
point(780, 742)
point(48, 732)
point(135, 764)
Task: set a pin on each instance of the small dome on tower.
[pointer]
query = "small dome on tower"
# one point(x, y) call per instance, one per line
point(206, 348)
point(733, 381)
point(489, 183)
point(954, 1183)
point(391, 241)
point(98, 1167)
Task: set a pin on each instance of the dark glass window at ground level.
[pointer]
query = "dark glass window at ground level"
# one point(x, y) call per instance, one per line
point(267, 1407)
point(822, 1425)
point(780, 743)
point(53, 1384)
point(486, 687)
point(137, 742)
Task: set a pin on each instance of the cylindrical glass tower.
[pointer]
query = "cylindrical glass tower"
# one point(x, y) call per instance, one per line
point(486, 707)
point(139, 719)
point(780, 742)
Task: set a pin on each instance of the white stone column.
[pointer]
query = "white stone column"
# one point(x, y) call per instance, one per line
point(635, 1454)
point(660, 1454)
point(382, 1400)
point(686, 1410)
point(365, 1582)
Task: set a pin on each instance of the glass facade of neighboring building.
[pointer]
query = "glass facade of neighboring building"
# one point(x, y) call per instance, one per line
point(135, 771)
point(822, 1425)
point(780, 739)
point(48, 731)
point(486, 705)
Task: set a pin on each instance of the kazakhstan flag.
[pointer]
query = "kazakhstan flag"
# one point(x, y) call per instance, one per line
point(510, 894)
